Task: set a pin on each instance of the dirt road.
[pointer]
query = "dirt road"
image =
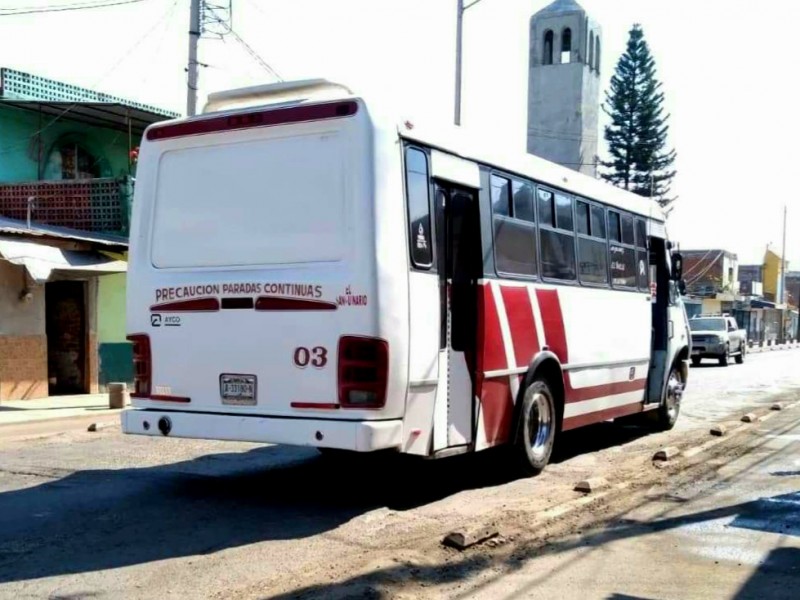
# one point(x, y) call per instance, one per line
point(104, 515)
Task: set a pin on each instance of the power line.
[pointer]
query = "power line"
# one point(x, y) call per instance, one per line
point(97, 82)
point(707, 269)
point(697, 265)
point(255, 56)
point(31, 10)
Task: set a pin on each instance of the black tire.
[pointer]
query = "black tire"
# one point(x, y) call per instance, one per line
point(537, 425)
point(696, 362)
point(725, 358)
point(742, 352)
point(667, 414)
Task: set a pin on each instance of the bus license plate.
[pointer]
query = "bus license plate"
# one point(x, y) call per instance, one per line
point(238, 390)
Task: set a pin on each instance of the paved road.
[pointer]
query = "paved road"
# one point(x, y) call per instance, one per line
point(735, 535)
point(714, 392)
point(104, 515)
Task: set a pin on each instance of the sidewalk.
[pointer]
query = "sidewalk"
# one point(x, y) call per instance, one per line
point(56, 407)
point(789, 346)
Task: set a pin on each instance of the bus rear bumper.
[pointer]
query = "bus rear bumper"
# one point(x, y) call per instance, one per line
point(359, 436)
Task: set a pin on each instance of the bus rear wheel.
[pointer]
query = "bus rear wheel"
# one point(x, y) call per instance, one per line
point(537, 426)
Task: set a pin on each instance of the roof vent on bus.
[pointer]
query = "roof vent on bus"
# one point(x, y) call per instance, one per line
point(276, 93)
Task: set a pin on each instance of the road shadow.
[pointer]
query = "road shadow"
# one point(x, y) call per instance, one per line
point(776, 577)
point(93, 520)
point(595, 438)
point(783, 563)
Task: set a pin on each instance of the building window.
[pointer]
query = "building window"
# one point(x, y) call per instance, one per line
point(72, 161)
point(547, 56)
point(591, 49)
point(514, 227)
point(419, 209)
point(597, 53)
point(566, 46)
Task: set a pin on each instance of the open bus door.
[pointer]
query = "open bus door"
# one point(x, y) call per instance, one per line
point(459, 267)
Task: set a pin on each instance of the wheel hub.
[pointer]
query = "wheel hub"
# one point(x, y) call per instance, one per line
point(540, 423)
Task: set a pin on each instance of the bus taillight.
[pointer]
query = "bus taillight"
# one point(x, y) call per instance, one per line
point(142, 365)
point(363, 372)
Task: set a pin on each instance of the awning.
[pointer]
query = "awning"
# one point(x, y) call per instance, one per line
point(41, 260)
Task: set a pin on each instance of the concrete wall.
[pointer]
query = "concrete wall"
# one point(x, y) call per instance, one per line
point(116, 354)
point(564, 99)
point(23, 342)
point(25, 160)
point(772, 273)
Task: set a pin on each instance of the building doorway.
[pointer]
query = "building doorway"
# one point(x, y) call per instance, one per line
point(66, 327)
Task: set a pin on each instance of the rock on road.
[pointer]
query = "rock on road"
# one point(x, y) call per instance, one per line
point(105, 515)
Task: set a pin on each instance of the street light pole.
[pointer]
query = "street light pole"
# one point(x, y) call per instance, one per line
point(192, 67)
point(459, 40)
point(460, 8)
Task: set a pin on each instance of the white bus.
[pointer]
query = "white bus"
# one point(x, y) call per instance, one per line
point(303, 271)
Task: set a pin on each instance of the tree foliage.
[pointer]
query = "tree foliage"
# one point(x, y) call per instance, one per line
point(637, 136)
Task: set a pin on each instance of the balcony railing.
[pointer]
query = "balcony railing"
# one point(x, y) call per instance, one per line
point(85, 204)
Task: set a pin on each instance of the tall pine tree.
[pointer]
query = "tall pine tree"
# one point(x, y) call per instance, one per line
point(637, 136)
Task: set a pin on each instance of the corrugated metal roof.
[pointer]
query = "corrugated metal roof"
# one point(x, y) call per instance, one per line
point(62, 100)
point(42, 260)
point(17, 85)
point(20, 228)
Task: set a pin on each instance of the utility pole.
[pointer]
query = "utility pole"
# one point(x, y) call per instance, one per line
point(192, 67)
point(459, 40)
point(782, 298)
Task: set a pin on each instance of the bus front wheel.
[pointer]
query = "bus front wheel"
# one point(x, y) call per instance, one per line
point(667, 413)
point(537, 426)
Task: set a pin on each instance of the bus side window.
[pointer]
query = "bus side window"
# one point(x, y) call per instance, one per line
point(621, 250)
point(419, 208)
point(514, 234)
point(556, 235)
point(592, 248)
point(642, 261)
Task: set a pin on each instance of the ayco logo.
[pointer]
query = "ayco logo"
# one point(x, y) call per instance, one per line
point(157, 320)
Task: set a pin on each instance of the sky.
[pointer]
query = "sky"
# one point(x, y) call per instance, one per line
point(730, 74)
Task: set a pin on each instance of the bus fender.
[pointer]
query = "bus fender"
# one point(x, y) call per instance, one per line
point(681, 362)
point(546, 364)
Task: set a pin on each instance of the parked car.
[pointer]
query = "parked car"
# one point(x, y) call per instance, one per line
point(719, 337)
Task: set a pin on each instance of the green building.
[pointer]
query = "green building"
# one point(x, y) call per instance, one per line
point(67, 170)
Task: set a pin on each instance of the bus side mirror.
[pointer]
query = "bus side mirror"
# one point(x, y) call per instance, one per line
point(682, 287)
point(677, 267)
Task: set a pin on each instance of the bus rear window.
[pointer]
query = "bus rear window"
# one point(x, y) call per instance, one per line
point(265, 202)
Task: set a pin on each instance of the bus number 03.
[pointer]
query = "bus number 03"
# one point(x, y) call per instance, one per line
point(317, 357)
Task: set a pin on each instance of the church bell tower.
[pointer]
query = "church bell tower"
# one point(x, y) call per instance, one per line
point(564, 86)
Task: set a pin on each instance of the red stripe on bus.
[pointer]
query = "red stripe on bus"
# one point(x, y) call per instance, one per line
point(166, 398)
point(601, 391)
point(261, 118)
point(196, 305)
point(521, 324)
point(490, 338)
point(497, 408)
point(496, 404)
point(269, 303)
point(599, 416)
point(553, 322)
point(316, 405)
